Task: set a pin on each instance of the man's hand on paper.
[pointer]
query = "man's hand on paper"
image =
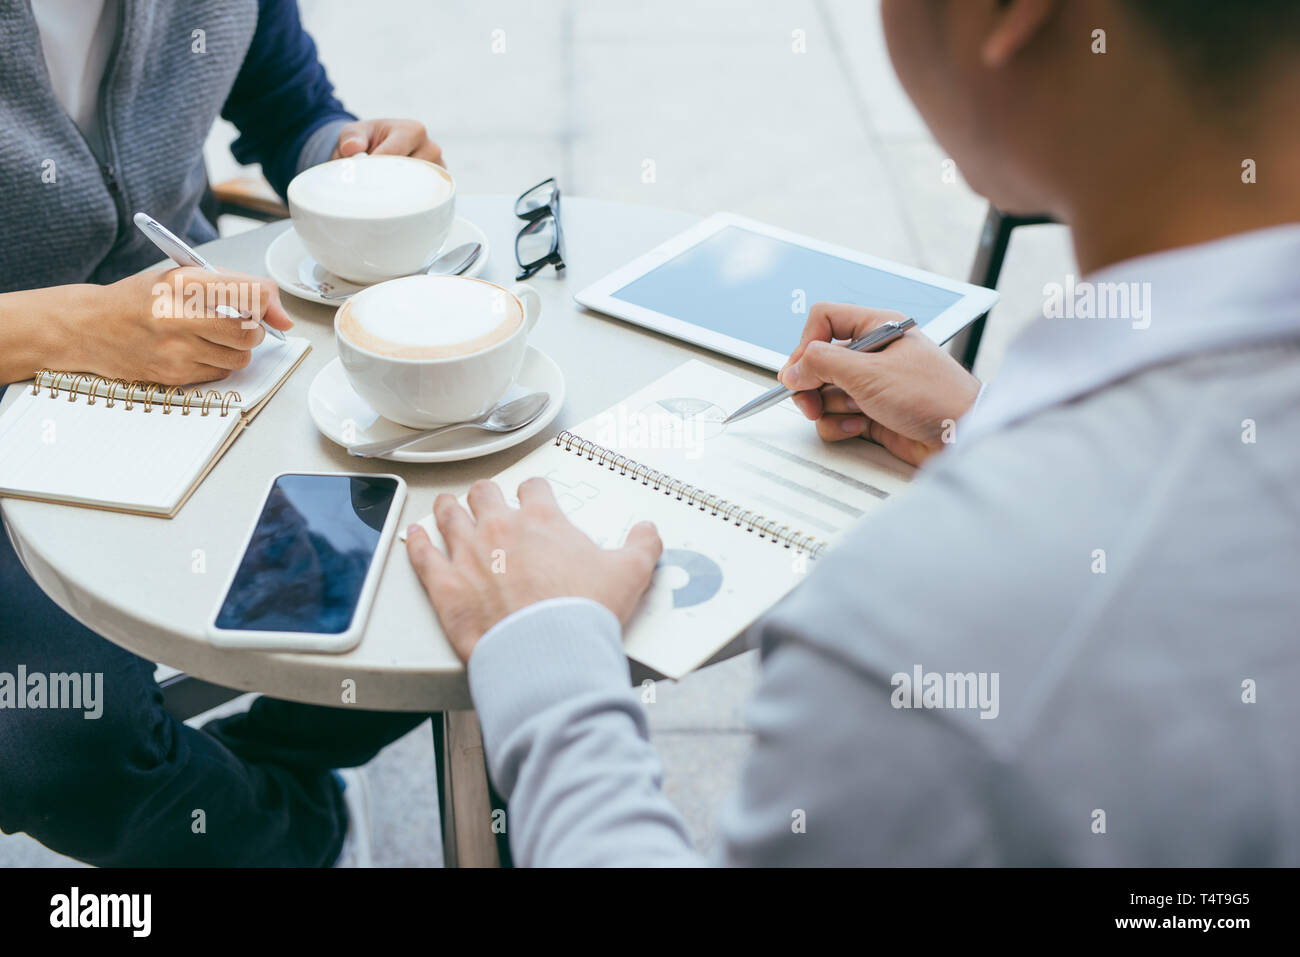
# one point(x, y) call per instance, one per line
point(906, 397)
point(501, 559)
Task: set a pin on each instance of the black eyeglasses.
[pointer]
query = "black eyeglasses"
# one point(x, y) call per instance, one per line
point(541, 242)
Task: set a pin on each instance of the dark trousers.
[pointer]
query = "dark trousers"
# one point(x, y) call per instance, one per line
point(136, 787)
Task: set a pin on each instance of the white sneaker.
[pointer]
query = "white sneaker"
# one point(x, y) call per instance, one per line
point(356, 850)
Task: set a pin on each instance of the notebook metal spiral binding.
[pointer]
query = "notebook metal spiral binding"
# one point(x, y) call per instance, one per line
point(130, 392)
point(685, 492)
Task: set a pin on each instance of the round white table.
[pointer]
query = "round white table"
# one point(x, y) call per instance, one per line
point(150, 584)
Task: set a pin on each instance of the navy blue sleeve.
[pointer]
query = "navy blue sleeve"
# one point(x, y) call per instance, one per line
point(281, 95)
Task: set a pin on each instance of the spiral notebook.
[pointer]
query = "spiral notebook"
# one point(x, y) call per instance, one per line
point(80, 439)
point(743, 510)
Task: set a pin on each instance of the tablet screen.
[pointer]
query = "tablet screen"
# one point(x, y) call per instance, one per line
point(759, 289)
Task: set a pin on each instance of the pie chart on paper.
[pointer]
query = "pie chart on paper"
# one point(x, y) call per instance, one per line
point(703, 576)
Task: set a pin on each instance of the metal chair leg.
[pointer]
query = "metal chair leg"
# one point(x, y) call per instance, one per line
point(465, 798)
point(185, 696)
point(985, 270)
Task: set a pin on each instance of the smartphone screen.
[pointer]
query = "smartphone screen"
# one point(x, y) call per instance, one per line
point(306, 564)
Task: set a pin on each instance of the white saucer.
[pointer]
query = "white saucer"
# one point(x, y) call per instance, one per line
point(287, 257)
point(333, 403)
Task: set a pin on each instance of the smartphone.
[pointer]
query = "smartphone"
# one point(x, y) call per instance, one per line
point(311, 563)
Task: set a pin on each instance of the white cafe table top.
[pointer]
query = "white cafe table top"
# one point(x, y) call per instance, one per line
point(131, 578)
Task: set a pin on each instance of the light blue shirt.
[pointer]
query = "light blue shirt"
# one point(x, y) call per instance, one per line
point(1073, 641)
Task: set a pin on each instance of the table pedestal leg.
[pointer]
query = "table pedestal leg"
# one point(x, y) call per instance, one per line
point(465, 798)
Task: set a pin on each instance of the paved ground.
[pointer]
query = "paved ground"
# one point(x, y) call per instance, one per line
point(783, 110)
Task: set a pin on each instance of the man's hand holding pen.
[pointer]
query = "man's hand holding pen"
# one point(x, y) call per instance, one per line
point(904, 397)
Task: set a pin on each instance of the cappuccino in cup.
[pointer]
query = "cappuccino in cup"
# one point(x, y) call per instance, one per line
point(431, 317)
point(425, 351)
point(372, 218)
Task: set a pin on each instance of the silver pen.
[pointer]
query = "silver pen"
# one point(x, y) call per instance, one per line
point(877, 338)
point(183, 254)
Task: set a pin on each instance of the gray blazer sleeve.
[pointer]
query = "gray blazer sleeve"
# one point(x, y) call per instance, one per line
point(568, 745)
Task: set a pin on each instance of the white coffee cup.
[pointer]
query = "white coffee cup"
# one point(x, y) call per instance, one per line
point(425, 351)
point(371, 218)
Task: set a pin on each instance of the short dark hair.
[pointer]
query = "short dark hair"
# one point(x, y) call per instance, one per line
point(1223, 41)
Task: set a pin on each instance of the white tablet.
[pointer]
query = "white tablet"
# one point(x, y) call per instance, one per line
point(743, 288)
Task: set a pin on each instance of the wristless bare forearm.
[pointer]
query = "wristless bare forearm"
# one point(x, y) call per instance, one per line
point(37, 330)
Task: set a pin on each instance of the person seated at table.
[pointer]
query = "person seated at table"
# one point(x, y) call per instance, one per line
point(1114, 533)
point(105, 108)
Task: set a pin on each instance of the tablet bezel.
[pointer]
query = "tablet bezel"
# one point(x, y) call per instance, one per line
point(974, 301)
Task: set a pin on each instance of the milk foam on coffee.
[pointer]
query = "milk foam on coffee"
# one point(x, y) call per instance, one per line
point(371, 187)
point(430, 317)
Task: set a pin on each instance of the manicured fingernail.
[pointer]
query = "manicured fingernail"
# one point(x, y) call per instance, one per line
point(411, 530)
point(852, 426)
point(851, 405)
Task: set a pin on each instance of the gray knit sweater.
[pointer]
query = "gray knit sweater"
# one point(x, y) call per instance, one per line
point(65, 203)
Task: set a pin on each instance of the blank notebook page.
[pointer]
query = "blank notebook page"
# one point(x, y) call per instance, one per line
point(51, 448)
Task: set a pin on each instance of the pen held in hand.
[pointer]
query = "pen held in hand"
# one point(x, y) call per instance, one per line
point(876, 339)
point(181, 253)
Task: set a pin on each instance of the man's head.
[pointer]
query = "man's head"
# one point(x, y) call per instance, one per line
point(1047, 104)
